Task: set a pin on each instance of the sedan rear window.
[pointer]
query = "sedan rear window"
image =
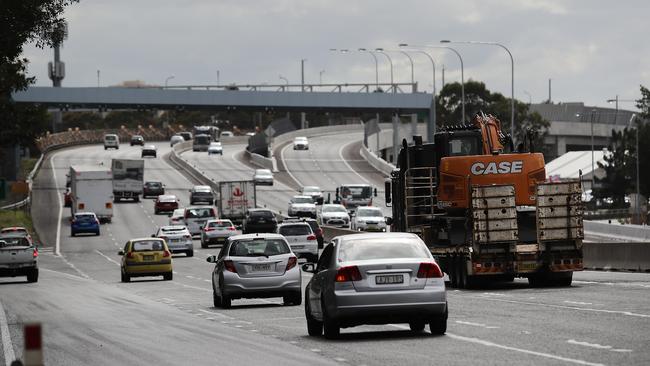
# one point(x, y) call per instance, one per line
point(148, 245)
point(267, 214)
point(295, 230)
point(220, 224)
point(194, 213)
point(367, 249)
point(258, 248)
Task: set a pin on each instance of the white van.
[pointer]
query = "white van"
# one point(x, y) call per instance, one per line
point(196, 216)
point(111, 141)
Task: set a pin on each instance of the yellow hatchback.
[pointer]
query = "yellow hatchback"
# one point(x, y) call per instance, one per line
point(146, 257)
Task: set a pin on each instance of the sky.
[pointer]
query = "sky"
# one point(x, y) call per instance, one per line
point(592, 50)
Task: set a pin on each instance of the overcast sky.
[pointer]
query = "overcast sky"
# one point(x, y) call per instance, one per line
point(592, 50)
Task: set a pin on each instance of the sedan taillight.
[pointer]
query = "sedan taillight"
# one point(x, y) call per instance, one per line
point(35, 254)
point(230, 266)
point(429, 270)
point(232, 228)
point(347, 274)
point(129, 255)
point(311, 237)
point(166, 254)
point(291, 262)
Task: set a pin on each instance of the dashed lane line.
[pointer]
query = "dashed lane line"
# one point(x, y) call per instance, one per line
point(598, 346)
point(107, 257)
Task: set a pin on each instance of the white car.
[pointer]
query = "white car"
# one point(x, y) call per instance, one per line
point(177, 217)
point(227, 134)
point(196, 216)
point(215, 148)
point(368, 218)
point(314, 192)
point(149, 150)
point(300, 143)
point(178, 239)
point(302, 206)
point(301, 239)
point(334, 215)
point(263, 176)
point(175, 139)
point(111, 141)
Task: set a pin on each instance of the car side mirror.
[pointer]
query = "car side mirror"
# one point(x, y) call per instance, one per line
point(389, 220)
point(387, 191)
point(121, 252)
point(309, 267)
point(375, 192)
point(211, 259)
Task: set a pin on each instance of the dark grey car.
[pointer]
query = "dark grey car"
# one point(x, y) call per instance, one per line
point(201, 194)
point(376, 278)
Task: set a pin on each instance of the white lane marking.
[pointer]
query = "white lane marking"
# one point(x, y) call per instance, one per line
point(621, 284)
point(339, 359)
point(347, 164)
point(106, 257)
point(192, 287)
point(57, 246)
point(597, 346)
point(75, 268)
point(626, 313)
point(477, 324)
point(315, 350)
point(327, 160)
point(7, 346)
point(577, 302)
point(216, 313)
point(63, 273)
point(286, 168)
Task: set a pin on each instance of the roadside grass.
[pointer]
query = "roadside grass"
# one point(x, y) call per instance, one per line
point(18, 217)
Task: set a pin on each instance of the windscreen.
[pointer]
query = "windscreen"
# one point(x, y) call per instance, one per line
point(367, 249)
point(84, 218)
point(356, 191)
point(302, 200)
point(148, 245)
point(13, 242)
point(463, 146)
point(201, 140)
point(153, 184)
point(220, 224)
point(265, 214)
point(295, 230)
point(258, 248)
point(334, 209)
point(369, 212)
point(194, 213)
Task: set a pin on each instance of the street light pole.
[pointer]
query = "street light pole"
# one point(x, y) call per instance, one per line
point(376, 65)
point(320, 76)
point(593, 172)
point(166, 80)
point(302, 73)
point(390, 60)
point(431, 129)
point(512, 78)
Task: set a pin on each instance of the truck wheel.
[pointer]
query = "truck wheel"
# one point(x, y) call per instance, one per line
point(190, 253)
point(33, 275)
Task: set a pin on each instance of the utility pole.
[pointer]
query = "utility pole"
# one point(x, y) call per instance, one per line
point(443, 76)
point(56, 69)
point(549, 91)
point(302, 74)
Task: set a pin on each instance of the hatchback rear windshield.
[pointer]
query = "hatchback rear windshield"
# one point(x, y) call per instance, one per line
point(148, 245)
point(259, 248)
point(220, 224)
point(109, 138)
point(367, 249)
point(153, 184)
point(195, 213)
point(14, 242)
point(266, 214)
point(84, 218)
point(295, 230)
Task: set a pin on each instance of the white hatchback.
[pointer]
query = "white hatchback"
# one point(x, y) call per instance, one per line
point(177, 217)
point(178, 239)
point(196, 217)
point(301, 238)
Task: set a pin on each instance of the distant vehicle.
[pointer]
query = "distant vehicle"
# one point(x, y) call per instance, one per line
point(91, 190)
point(301, 238)
point(201, 143)
point(128, 178)
point(149, 150)
point(165, 203)
point(84, 223)
point(263, 177)
point(197, 216)
point(201, 194)
point(260, 220)
point(254, 266)
point(227, 134)
point(353, 195)
point(18, 256)
point(175, 139)
point(187, 136)
point(146, 257)
point(359, 275)
point(177, 217)
point(302, 206)
point(18, 230)
point(215, 148)
point(178, 239)
point(111, 141)
point(334, 215)
point(314, 192)
point(250, 133)
point(368, 218)
point(67, 197)
point(315, 227)
point(300, 143)
point(152, 189)
point(217, 232)
point(137, 140)
point(212, 131)
point(235, 199)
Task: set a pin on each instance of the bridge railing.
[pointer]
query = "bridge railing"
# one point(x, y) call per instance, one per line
point(328, 87)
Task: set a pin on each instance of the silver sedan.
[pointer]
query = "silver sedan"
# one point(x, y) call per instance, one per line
point(255, 266)
point(375, 279)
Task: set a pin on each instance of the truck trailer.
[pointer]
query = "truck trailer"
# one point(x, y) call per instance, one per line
point(235, 198)
point(91, 190)
point(128, 179)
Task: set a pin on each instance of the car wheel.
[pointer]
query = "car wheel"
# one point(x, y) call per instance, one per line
point(190, 253)
point(97, 233)
point(216, 301)
point(203, 244)
point(416, 326)
point(33, 275)
point(105, 148)
point(314, 327)
point(72, 233)
point(438, 325)
point(168, 276)
point(155, 212)
point(314, 258)
point(126, 277)
point(136, 199)
point(292, 299)
point(331, 327)
point(226, 302)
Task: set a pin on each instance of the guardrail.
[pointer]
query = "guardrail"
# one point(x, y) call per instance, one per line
point(617, 256)
point(30, 181)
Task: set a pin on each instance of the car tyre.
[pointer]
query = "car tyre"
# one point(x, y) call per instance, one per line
point(438, 325)
point(190, 253)
point(417, 327)
point(314, 327)
point(156, 212)
point(33, 276)
point(97, 233)
point(331, 328)
point(168, 276)
point(126, 277)
point(203, 244)
point(226, 301)
point(216, 300)
point(292, 299)
point(314, 258)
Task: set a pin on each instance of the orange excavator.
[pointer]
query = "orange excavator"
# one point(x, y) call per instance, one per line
point(485, 210)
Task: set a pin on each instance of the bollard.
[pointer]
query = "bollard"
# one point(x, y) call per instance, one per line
point(33, 354)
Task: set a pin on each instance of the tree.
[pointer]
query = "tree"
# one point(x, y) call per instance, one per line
point(619, 168)
point(21, 22)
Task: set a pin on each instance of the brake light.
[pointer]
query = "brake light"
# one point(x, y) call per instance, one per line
point(81, 206)
point(35, 253)
point(347, 274)
point(129, 255)
point(311, 237)
point(230, 266)
point(109, 205)
point(319, 231)
point(232, 228)
point(291, 263)
point(429, 270)
point(208, 228)
point(166, 254)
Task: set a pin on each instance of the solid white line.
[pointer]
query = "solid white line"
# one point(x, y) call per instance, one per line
point(347, 164)
point(216, 313)
point(106, 257)
point(597, 346)
point(57, 246)
point(7, 346)
point(63, 274)
point(286, 168)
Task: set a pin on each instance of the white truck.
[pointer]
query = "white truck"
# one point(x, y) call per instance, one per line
point(128, 178)
point(235, 198)
point(91, 190)
point(18, 257)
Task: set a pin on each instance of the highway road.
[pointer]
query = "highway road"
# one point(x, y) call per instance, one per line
point(90, 317)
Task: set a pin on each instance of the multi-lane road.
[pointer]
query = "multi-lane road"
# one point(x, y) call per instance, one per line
point(89, 317)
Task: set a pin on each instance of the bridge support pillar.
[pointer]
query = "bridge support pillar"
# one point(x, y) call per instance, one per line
point(303, 120)
point(396, 144)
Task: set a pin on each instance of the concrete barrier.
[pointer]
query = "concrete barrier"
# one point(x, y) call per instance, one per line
point(376, 162)
point(620, 232)
point(330, 232)
point(261, 161)
point(316, 131)
point(617, 256)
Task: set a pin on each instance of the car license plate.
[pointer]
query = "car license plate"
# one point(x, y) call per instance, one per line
point(147, 257)
point(389, 279)
point(261, 267)
point(297, 246)
point(527, 266)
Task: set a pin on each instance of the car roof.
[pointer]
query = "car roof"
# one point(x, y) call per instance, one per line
point(301, 196)
point(355, 185)
point(311, 187)
point(259, 210)
point(219, 220)
point(263, 170)
point(173, 227)
point(167, 197)
point(257, 235)
point(198, 207)
point(293, 223)
point(391, 235)
point(134, 136)
point(13, 228)
point(149, 146)
point(201, 188)
point(145, 239)
point(85, 213)
point(179, 211)
point(332, 205)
